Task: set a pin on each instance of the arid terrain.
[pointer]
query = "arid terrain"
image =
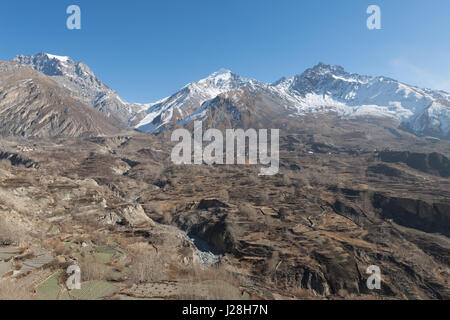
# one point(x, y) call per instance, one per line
point(140, 227)
point(80, 187)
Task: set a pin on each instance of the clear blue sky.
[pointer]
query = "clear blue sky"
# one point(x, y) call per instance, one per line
point(147, 49)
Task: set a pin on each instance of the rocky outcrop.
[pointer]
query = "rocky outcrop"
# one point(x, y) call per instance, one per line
point(17, 160)
point(303, 277)
point(209, 204)
point(215, 230)
point(128, 215)
point(386, 170)
point(414, 213)
point(431, 217)
point(432, 163)
point(134, 215)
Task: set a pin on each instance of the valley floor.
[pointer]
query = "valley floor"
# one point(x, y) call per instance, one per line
point(141, 228)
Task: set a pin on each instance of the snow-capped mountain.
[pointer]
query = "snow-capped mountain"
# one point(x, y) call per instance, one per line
point(77, 77)
point(322, 89)
point(32, 104)
point(327, 88)
point(160, 115)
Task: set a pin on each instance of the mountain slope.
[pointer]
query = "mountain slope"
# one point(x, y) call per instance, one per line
point(323, 89)
point(77, 77)
point(167, 112)
point(33, 105)
point(423, 111)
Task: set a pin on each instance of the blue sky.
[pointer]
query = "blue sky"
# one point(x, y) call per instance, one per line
point(147, 49)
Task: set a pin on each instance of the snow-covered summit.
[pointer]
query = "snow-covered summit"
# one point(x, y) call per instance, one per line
point(63, 59)
point(181, 104)
point(80, 79)
point(321, 89)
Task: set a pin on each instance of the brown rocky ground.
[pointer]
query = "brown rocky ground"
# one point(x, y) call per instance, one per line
point(142, 228)
point(32, 104)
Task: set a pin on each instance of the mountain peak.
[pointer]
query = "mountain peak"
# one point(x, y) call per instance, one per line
point(63, 59)
point(221, 73)
point(327, 73)
point(323, 68)
point(224, 79)
point(42, 58)
point(80, 79)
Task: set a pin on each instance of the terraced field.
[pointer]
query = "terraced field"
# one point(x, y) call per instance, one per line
point(142, 228)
